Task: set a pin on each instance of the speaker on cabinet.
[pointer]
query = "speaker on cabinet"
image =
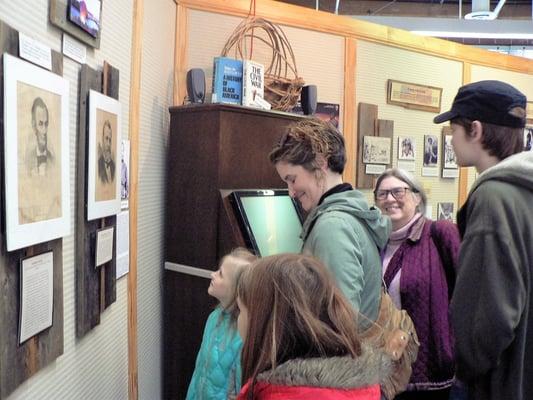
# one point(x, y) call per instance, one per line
point(308, 99)
point(196, 85)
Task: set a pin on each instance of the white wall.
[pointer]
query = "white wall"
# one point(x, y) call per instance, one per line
point(156, 97)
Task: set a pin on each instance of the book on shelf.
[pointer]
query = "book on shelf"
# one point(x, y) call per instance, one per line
point(253, 85)
point(227, 80)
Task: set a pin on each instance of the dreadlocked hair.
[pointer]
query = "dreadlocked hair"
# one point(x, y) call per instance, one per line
point(308, 141)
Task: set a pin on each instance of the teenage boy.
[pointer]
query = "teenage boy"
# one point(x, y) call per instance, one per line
point(492, 304)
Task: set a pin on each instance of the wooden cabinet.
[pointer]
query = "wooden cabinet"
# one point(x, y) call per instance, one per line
point(211, 147)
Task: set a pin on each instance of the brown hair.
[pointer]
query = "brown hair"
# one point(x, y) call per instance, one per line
point(499, 141)
point(241, 258)
point(304, 140)
point(294, 311)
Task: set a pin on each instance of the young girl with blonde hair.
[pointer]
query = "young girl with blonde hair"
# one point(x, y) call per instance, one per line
point(217, 373)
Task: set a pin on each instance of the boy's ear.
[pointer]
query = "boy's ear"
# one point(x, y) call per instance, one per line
point(477, 131)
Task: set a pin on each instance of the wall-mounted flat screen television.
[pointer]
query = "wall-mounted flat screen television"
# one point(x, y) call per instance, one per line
point(270, 220)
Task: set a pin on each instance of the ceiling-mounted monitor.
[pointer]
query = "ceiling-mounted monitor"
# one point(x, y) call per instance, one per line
point(269, 219)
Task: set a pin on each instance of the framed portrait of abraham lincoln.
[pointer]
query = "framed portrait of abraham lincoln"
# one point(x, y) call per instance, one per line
point(36, 149)
point(103, 191)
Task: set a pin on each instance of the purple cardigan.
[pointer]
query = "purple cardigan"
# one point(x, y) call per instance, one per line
point(424, 295)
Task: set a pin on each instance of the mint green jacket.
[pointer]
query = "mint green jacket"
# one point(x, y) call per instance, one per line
point(217, 373)
point(347, 236)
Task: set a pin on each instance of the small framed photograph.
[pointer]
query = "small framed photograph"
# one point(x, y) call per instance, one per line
point(124, 173)
point(36, 144)
point(376, 150)
point(450, 159)
point(445, 211)
point(528, 138)
point(406, 148)
point(86, 15)
point(103, 192)
point(431, 150)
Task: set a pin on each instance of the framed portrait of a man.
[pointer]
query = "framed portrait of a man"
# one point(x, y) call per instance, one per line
point(36, 147)
point(104, 163)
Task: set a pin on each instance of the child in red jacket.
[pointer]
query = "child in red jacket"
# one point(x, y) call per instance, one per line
point(300, 335)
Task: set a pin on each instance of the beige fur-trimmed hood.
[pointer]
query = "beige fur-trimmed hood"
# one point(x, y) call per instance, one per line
point(336, 372)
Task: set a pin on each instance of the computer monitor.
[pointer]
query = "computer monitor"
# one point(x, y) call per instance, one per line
point(270, 220)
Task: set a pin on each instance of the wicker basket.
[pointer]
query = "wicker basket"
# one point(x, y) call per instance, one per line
point(282, 83)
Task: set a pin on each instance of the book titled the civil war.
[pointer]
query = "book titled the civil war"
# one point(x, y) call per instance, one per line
point(253, 84)
point(227, 80)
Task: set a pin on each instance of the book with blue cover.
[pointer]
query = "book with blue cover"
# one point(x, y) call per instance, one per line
point(227, 80)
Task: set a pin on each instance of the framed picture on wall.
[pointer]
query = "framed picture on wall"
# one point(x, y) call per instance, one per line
point(406, 148)
point(376, 150)
point(528, 138)
point(36, 147)
point(103, 192)
point(450, 159)
point(445, 211)
point(414, 96)
point(431, 150)
point(86, 15)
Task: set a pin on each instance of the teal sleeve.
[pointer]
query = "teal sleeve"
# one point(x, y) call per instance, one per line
point(201, 358)
point(335, 243)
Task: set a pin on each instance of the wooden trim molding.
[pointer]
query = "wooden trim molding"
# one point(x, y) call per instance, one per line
point(307, 18)
point(134, 124)
point(349, 121)
point(180, 54)
point(463, 172)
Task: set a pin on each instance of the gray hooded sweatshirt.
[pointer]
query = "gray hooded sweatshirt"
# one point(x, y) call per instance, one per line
point(492, 304)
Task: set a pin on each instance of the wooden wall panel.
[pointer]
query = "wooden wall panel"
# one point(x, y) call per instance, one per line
point(367, 118)
point(95, 287)
point(18, 362)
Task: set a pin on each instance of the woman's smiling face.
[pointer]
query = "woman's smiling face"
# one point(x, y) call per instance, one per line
point(303, 185)
point(400, 210)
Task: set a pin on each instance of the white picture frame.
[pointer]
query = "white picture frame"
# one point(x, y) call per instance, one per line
point(448, 153)
point(376, 150)
point(36, 154)
point(406, 148)
point(103, 173)
point(445, 211)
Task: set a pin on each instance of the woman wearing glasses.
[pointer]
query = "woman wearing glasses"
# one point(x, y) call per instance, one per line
point(340, 229)
point(419, 271)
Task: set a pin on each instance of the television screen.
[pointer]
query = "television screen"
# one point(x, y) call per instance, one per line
point(86, 14)
point(270, 220)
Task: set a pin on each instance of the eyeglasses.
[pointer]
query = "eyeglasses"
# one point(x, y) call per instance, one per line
point(398, 193)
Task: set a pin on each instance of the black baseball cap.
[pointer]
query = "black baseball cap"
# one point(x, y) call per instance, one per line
point(487, 101)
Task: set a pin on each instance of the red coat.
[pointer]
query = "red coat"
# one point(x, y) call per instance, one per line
point(267, 391)
point(329, 378)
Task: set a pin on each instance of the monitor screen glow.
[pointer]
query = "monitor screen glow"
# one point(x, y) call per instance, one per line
point(270, 220)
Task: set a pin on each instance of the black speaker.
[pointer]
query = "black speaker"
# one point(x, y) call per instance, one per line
point(196, 85)
point(308, 99)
